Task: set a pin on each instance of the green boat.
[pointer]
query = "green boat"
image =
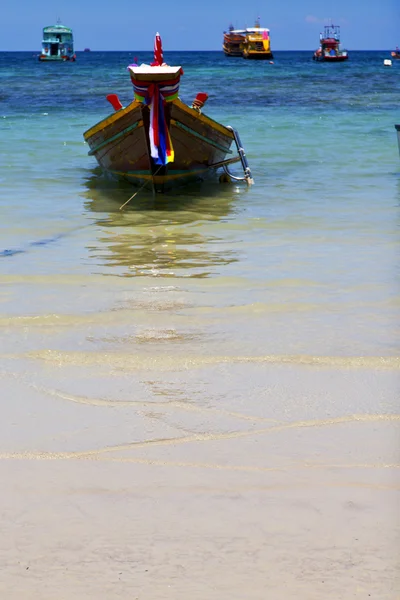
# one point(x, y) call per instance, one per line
point(57, 44)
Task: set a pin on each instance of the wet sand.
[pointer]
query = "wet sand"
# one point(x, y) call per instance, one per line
point(178, 483)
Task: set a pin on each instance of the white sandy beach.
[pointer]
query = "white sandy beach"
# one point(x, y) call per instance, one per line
point(289, 492)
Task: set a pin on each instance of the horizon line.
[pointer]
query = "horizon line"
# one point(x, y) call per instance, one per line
point(215, 50)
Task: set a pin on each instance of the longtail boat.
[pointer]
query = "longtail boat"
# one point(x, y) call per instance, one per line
point(158, 140)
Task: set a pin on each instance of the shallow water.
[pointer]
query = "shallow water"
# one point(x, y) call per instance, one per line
point(220, 347)
point(304, 261)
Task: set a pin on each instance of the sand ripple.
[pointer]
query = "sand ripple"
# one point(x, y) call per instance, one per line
point(174, 362)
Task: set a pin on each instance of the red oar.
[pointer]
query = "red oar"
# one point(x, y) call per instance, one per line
point(200, 100)
point(115, 101)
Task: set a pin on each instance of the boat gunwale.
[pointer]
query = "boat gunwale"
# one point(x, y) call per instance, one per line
point(110, 119)
point(198, 135)
point(117, 136)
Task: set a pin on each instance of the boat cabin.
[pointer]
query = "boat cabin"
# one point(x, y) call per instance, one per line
point(233, 41)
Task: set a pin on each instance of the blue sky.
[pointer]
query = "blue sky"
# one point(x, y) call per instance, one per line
point(198, 24)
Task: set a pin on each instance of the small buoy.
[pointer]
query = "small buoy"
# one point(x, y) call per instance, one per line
point(271, 62)
point(387, 62)
point(224, 178)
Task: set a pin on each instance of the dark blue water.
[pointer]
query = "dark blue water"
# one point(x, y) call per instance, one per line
point(294, 80)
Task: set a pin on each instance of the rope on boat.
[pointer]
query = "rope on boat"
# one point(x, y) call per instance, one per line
point(140, 189)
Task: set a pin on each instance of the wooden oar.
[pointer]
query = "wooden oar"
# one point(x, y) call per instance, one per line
point(114, 101)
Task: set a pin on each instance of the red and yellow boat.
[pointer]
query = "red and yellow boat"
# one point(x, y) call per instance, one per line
point(252, 42)
point(330, 49)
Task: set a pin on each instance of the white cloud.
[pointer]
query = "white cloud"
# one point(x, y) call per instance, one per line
point(326, 20)
point(311, 19)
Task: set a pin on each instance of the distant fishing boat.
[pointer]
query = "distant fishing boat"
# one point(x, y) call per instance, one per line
point(395, 53)
point(252, 42)
point(86, 50)
point(330, 49)
point(157, 140)
point(57, 44)
point(233, 42)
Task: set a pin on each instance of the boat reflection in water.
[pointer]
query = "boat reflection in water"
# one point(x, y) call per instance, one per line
point(177, 237)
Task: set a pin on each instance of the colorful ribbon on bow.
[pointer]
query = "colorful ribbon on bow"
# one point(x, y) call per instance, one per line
point(155, 94)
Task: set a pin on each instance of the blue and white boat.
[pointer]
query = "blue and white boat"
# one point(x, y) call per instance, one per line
point(57, 44)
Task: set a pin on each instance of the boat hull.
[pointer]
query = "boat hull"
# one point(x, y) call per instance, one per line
point(43, 58)
point(230, 52)
point(258, 55)
point(120, 143)
point(330, 58)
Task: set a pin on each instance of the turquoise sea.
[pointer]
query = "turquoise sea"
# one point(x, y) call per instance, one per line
point(308, 257)
point(171, 336)
point(311, 250)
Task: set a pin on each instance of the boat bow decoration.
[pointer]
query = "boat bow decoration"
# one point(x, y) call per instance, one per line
point(154, 94)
